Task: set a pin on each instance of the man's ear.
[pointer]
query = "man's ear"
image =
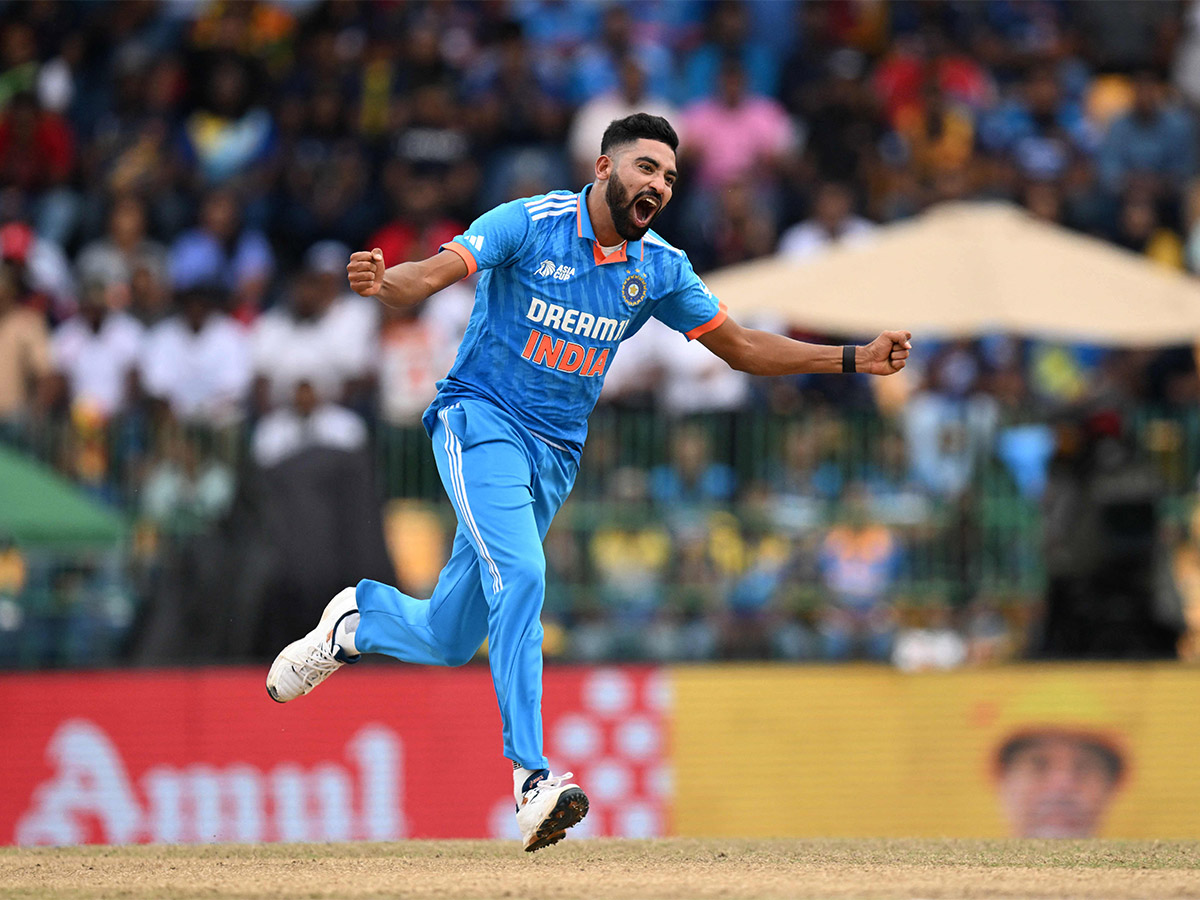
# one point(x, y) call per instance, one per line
point(604, 167)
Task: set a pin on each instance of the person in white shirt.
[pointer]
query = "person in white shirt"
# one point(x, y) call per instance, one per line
point(319, 336)
point(198, 362)
point(833, 224)
point(304, 423)
point(97, 352)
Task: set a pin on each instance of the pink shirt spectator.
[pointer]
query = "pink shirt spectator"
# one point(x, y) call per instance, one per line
point(732, 141)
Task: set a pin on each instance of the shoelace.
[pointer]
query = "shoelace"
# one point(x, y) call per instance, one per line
point(319, 664)
point(550, 781)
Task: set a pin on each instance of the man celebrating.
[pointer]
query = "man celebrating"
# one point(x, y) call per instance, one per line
point(565, 278)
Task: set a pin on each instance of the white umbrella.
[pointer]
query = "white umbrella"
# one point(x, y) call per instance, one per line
point(965, 269)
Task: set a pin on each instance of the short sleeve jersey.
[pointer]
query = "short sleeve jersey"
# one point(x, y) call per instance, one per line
point(551, 308)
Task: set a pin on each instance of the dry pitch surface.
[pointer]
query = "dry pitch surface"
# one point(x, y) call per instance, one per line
point(603, 869)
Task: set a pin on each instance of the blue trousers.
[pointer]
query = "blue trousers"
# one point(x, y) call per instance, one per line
point(505, 485)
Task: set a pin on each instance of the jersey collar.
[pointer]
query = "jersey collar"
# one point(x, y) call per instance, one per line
point(583, 227)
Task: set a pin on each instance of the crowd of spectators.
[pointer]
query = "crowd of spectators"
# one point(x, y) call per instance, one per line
point(181, 185)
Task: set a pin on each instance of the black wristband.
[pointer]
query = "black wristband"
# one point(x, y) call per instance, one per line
point(848, 359)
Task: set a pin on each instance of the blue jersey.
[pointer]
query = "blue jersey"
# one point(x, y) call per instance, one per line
point(551, 309)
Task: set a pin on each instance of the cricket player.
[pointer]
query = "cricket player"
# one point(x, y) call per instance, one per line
point(564, 278)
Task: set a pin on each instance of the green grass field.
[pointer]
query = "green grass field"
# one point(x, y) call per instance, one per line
point(593, 869)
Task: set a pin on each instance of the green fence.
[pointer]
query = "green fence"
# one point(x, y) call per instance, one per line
point(985, 539)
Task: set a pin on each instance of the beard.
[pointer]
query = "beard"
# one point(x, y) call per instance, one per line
point(621, 207)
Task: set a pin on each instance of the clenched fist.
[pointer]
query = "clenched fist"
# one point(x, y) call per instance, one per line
point(886, 354)
point(365, 271)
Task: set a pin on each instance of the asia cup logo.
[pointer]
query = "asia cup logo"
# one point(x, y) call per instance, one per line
point(633, 291)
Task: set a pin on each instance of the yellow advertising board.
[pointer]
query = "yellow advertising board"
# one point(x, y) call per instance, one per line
point(1047, 750)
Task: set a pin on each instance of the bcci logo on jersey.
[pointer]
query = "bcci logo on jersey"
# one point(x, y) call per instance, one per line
point(633, 291)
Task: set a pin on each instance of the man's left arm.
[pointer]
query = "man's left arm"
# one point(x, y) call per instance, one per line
point(764, 353)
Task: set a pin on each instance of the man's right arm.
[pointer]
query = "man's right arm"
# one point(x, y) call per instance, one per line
point(405, 284)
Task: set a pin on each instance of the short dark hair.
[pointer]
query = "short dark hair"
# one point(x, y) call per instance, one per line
point(1109, 758)
point(635, 127)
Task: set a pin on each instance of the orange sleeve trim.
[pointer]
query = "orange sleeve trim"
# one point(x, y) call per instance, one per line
point(714, 322)
point(472, 266)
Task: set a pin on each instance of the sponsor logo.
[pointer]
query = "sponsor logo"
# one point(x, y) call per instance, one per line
point(203, 802)
point(572, 321)
point(633, 291)
point(475, 240)
point(550, 269)
point(566, 356)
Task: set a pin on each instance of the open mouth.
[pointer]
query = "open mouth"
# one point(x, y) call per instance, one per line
point(644, 209)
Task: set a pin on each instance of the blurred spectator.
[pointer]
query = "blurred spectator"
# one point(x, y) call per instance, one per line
point(631, 565)
point(185, 488)
point(25, 360)
point(601, 66)
point(98, 352)
point(1122, 37)
point(229, 135)
point(842, 118)
point(988, 635)
point(1039, 127)
point(125, 249)
point(1101, 534)
point(833, 223)
point(219, 251)
point(938, 137)
point(1152, 147)
point(42, 267)
point(306, 422)
point(322, 335)
point(691, 480)
point(198, 362)
point(1139, 230)
point(925, 68)
point(735, 135)
point(896, 497)
point(633, 90)
point(513, 98)
point(752, 627)
point(802, 484)
point(323, 171)
point(728, 39)
point(860, 562)
point(37, 157)
point(420, 223)
point(738, 232)
point(18, 61)
point(131, 149)
point(949, 423)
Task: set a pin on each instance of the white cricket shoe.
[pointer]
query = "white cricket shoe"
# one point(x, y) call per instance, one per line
point(548, 809)
point(305, 663)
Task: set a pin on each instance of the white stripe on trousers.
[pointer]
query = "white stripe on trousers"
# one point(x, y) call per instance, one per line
point(454, 457)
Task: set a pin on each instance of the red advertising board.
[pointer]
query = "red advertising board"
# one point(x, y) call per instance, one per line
point(379, 752)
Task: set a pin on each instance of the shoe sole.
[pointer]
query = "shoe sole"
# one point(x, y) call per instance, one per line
point(569, 811)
